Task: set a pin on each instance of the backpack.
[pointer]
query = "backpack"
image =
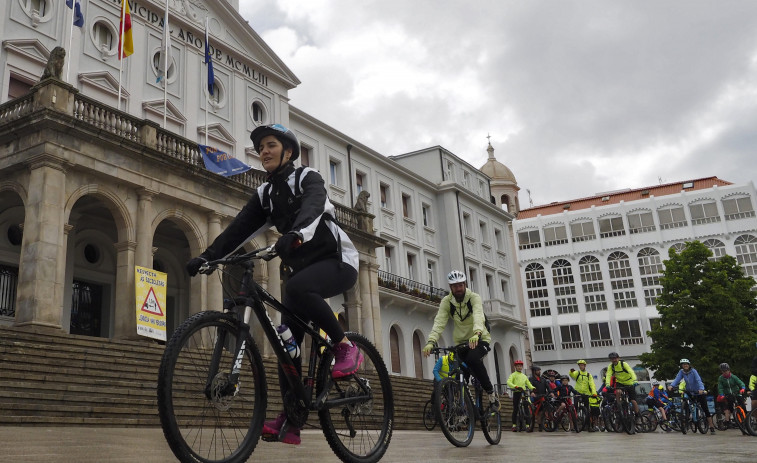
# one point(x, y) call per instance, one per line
point(487, 325)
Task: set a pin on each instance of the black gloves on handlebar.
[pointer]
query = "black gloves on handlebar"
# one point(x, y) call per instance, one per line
point(287, 243)
point(194, 264)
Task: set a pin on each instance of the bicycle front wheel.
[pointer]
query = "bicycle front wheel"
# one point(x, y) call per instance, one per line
point(751, 422)
point(429, 417)
point(454, 412)
point(358, 410)
point(491, 424)
point(525, 417)
point(204, 417)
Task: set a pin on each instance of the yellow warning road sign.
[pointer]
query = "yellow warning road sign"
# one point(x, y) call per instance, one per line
point(151, 301)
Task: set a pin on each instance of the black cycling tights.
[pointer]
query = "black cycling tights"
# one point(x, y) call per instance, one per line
point(304, 294)
point(472, 359)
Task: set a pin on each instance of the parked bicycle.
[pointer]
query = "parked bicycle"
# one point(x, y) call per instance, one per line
point(212, 387)
point(457, 412)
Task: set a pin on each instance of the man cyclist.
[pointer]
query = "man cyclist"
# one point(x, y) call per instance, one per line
point(621, 376)
point(518, 382)
point(728, 386)
point(584, 385)
point(538, 393)
point(467, 312)
point(694, 387)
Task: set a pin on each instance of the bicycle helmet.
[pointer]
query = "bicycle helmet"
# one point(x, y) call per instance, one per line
point(682, 361)
point(613, 355)
point(518, 362)
point(724, 367)
point(535, 368)
point(456, 276)
point(283, 134)
point(564, 378)
point(582, 361)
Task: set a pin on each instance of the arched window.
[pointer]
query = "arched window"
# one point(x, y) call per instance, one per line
point(538, 296)
point(394, 349)
point(678, 247)
point(565, 290)
point(505, 202)
point(592, 284)
point(746, 253)
point(650, 267)
point(418, 355)
point(621, 280)
point(717, 247)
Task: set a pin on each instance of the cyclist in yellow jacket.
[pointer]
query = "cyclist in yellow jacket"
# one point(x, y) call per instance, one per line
point(518, 382)
point(621, 376)
point(584, 385)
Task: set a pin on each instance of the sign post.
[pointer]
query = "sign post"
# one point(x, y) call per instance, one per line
point(151, 301)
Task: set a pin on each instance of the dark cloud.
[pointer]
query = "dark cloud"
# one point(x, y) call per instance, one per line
point(579, 96)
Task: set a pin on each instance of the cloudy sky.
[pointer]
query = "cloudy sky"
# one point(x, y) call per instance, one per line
point(579, 97)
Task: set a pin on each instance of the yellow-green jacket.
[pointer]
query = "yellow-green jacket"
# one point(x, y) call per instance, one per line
point(519, 380)
point(584, 382)
point(465, 326)
point(624, 374)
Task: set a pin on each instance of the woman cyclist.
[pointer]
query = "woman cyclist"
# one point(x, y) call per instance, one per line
point(694, 387)
point(322, 259)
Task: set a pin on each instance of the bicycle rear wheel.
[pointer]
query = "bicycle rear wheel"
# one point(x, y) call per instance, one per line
point(204, 418)
point(358, 431)
point(651, 417)
point(491, 424)
point(454, 412)
point(751, 422)
point(719, 419)
point(429, 417)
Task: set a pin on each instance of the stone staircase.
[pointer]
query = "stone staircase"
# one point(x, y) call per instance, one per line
point(67, 380)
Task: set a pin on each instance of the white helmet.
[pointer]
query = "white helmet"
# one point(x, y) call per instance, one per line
point(456, 276)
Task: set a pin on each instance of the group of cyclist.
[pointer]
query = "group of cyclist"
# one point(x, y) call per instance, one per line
point(619, 379)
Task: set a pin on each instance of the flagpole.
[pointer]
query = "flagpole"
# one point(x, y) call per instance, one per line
point(207, 87)
point(121, 51)
point(70, 41)
point(165, 68)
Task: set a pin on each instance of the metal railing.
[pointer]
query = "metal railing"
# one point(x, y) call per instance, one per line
point(8, 285)
point(410, 287)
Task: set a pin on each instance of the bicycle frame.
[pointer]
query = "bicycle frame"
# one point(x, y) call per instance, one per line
point(253, 298)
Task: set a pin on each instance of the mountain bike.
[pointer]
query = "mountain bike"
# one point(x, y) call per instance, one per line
point(455, 409)
point(692, 416)
point(524, 420)
point(738, 416)
point(623, 414)
point(654, 416)
point(212, 387)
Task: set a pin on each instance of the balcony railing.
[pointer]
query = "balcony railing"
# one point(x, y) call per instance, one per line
point(496, 309)
point(410, 287)
point(143, 132)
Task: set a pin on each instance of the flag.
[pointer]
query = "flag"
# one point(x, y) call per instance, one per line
point(165, 56)
point(78, 16)
point(208, 60)
point(221, 163)
point(125, 29)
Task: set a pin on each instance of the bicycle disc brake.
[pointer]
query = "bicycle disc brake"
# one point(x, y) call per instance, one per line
point(221, 392)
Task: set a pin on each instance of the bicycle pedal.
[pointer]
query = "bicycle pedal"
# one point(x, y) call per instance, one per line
point(269, 437)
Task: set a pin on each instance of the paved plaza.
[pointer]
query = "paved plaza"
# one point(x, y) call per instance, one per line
point(146, 445)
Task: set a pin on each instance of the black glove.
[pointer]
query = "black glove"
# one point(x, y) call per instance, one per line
point(194, 264)
point(288, 242)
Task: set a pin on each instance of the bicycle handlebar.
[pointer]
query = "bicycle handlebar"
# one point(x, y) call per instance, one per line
point(265, 254)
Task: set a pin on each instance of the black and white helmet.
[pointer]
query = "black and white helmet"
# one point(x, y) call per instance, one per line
point(456, 276)
point(724, 367)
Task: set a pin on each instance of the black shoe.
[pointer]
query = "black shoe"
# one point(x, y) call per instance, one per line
point(712, 430)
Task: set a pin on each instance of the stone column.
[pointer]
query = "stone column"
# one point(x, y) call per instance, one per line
point(144, 252)
point(372, 300)
point(42, 266)
point(215, 289)
point(125, 312)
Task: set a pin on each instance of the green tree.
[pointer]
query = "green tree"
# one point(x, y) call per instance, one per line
point(707, 315)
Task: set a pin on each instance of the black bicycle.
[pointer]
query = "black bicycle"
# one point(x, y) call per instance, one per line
point(455, 409)
point(212, 394)
point(524, 420)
